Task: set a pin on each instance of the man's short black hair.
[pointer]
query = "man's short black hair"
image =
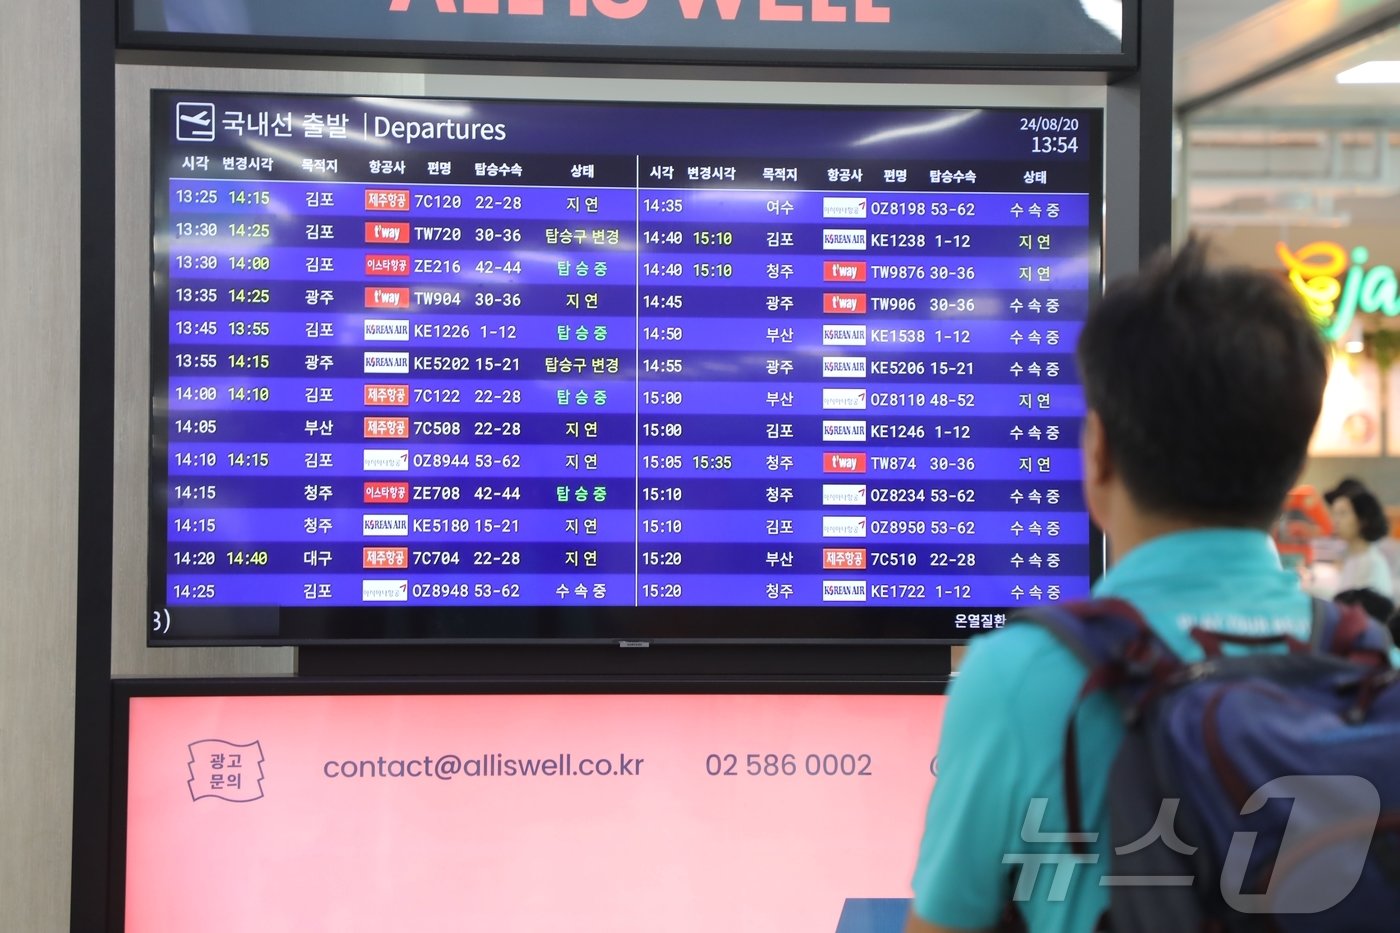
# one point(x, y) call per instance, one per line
point(1208, 381)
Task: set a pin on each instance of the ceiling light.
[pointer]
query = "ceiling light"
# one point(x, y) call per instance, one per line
point(1377, 72)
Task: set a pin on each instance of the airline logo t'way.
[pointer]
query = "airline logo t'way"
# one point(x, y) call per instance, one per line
point(385, 233)
point(843, 526)
point(844, 240)
point(386, 298)
point(843, 494)
point(844, 208)
point(843, 303)
point(843, 462)
point(386, 330)
point(843, 335)
point(833, 367)
point(386, 362)
point(843, 430)
point(844, 558)
point(843, 591)
point(385, 526)
point(386, 461)
point(384, 591)
point(843, 399)
point(843, 271)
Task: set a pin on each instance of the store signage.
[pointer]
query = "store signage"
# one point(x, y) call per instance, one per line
point(817, 32)
point(1337, 284)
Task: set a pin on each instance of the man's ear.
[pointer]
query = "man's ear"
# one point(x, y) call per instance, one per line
point(1098, 462)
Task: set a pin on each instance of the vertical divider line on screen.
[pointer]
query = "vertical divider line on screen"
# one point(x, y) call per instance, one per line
point(637, 381)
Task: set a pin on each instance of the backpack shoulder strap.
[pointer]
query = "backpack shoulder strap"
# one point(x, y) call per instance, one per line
point(1112, 639)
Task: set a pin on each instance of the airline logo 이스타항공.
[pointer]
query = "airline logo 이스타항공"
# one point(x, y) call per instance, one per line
point(384, 591)
point(843, 591)
point(379, 493)
point(837, 271)
point(385, 526)
point(853, 240)
point(386, 461)
point(843, 526)
point(843, 494)
point(838, 367)
point(844, 208)
point(376, 329)
point(843, 430)
point(843, 399)
point(843, 335)
point(376, 362)
point(843, 462)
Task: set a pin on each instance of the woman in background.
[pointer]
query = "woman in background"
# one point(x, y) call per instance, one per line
point(1359, 520)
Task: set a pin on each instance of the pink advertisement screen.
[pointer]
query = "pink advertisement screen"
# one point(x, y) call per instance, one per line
point(526, 813)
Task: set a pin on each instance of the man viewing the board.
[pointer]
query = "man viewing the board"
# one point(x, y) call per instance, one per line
point(1202, 384)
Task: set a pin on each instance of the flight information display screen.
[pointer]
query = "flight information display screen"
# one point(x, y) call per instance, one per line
point(486, 369)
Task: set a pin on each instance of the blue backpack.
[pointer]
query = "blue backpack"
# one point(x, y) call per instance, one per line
point(1285, 767)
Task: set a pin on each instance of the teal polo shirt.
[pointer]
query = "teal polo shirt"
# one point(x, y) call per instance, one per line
point(1004, 730)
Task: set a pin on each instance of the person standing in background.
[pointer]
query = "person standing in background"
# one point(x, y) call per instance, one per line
point(1359, 521)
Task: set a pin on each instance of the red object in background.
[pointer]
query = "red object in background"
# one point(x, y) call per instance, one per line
point(1305, 517)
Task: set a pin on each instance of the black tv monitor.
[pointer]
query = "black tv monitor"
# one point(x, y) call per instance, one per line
point(458, 370)
point(281, 806)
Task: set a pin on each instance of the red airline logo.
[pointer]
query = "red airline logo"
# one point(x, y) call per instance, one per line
point(843, 558)
point(380, 493)
point(381, 264)
point(843, 463)
point(843, 303)
point(392, 395)
point(386, 199)
point(385, 558)
point(838, 271)
point(386, 233)
point(386, 427)
point(386, 297)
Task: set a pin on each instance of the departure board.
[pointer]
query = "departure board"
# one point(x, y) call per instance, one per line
point(431, 368)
